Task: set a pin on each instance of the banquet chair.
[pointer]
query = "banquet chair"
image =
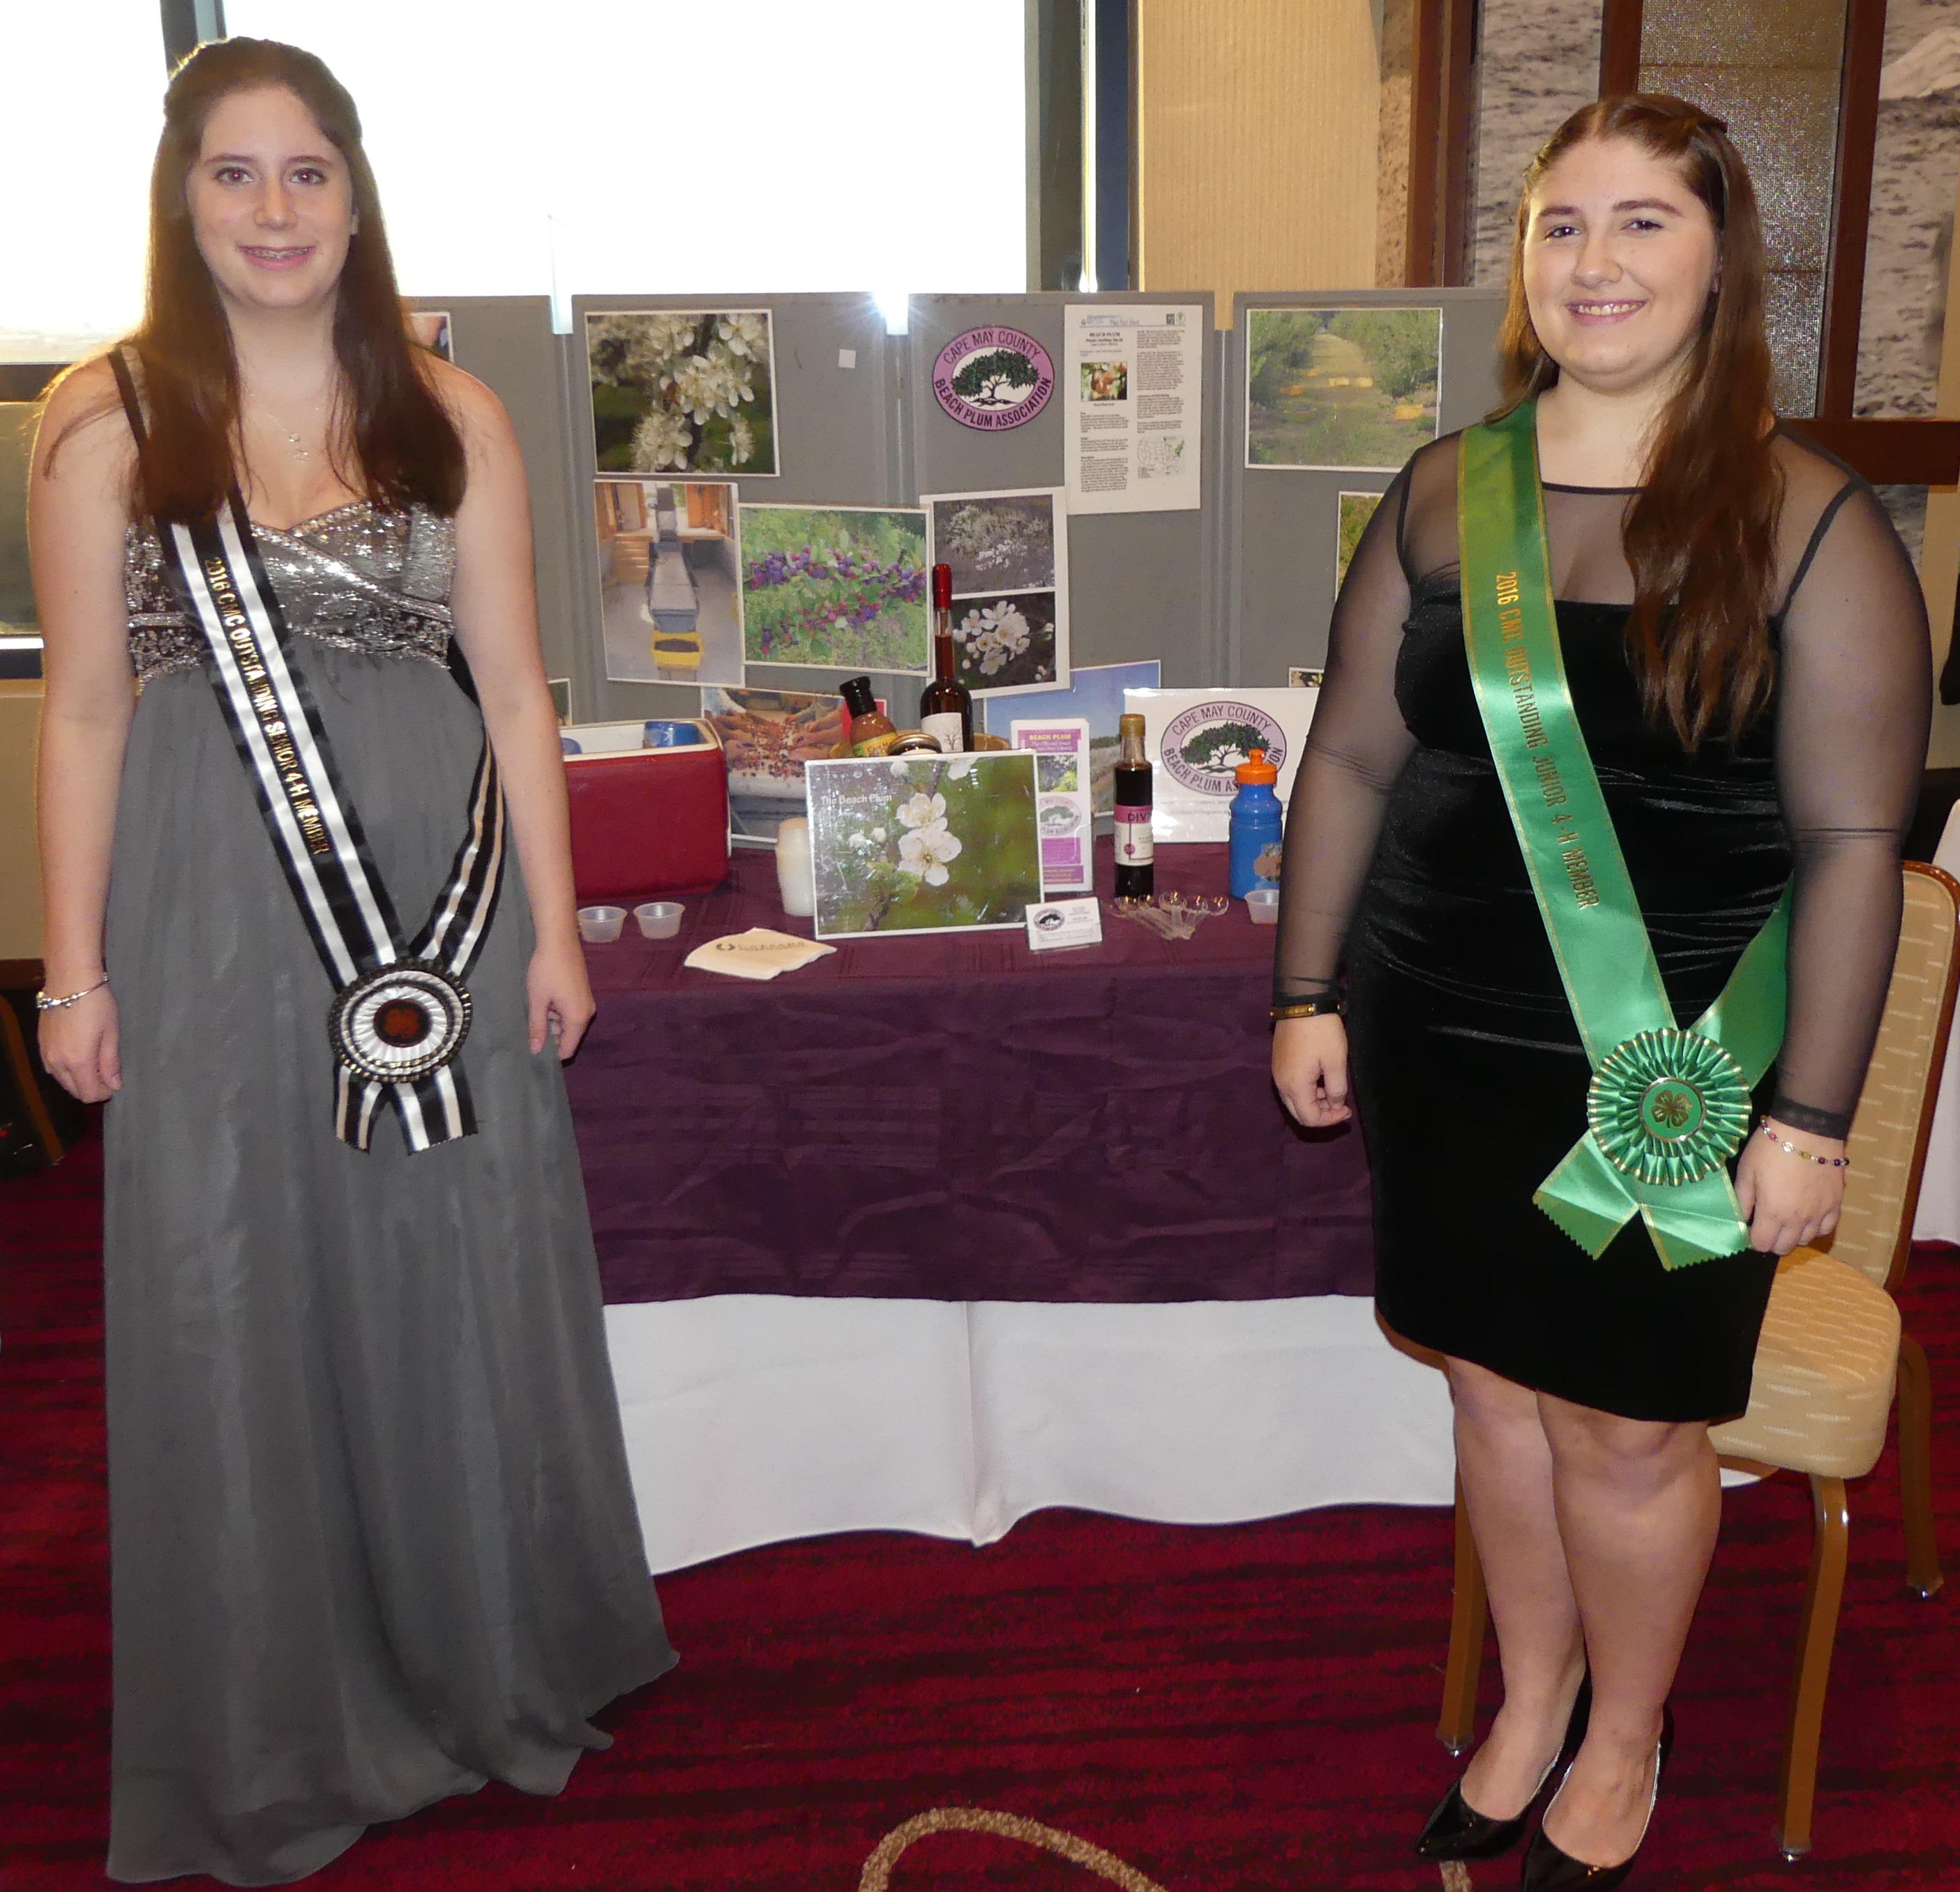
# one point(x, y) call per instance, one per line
point(1831, 1353)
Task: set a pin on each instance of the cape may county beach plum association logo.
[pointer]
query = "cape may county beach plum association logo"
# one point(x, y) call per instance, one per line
point(1204, 744)
point(993, 379)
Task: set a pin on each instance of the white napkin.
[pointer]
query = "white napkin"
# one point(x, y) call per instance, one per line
point(759, 953)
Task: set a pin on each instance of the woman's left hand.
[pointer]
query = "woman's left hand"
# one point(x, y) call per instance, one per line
point(1788, 1203)
point(559, 997)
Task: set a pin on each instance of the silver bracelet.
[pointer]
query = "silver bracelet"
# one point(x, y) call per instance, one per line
point(44, 1003)
point(1791, 1150)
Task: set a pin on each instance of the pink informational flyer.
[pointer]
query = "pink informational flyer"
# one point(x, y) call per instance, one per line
point(1063, 809)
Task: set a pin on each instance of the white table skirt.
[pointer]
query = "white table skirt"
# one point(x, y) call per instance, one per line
point(752, 1419)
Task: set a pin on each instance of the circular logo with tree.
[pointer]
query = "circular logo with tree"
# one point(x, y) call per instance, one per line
point(1202, 746)
point(993, 379)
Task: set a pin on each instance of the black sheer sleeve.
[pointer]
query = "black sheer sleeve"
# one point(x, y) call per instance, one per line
point(1855, 694)
point(1354, 750)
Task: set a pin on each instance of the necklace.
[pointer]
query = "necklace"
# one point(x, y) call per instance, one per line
point(297, 441)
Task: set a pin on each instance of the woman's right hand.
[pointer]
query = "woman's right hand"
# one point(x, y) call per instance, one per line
point(1310, 1069)
point(78, 1046)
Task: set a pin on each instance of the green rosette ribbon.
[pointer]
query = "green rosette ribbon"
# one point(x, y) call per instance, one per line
point(1666, 1107)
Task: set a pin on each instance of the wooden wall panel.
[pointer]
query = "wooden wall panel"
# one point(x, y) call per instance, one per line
point(1939, 561)
point(20, 857)
point(1257, 140)
point(1392, 186)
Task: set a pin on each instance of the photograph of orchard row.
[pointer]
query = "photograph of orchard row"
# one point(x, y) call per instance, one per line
point(1341, 389)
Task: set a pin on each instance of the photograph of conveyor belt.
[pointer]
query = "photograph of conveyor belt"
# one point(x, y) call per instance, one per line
point(669, 581)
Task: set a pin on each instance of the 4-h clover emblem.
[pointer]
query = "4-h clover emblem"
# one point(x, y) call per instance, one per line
point(1670, 1109)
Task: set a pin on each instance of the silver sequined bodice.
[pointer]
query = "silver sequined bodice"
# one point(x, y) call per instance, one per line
point(359, 578)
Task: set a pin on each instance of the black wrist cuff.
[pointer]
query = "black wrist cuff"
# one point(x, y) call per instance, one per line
point(1819, 1123)
point(1290, 990)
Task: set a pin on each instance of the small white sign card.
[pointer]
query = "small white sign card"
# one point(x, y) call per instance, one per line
point(923, 843)
point(1196, 738)
point(1057, 925)
point(1063, 802)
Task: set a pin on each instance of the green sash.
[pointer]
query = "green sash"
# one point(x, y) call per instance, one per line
point(1666, 1107)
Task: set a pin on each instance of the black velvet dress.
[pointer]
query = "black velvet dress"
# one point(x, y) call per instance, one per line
point(1468, 1070)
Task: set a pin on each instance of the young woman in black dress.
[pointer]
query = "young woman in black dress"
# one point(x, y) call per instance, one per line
point(1745, 648)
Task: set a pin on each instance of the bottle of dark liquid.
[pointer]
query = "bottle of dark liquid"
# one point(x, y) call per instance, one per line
point(946, 705)
point(1136, 852)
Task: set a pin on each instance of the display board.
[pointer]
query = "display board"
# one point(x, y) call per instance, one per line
point(823, 412)
point(1139, 582)
point(506, 342)
point(1350, 388)
point(1211, 544)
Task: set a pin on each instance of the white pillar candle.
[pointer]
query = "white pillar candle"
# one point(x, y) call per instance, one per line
point(793, 867)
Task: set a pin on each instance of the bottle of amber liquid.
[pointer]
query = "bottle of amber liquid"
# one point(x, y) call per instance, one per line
point(946, 705)
point(1136, 851)
point(872, 733)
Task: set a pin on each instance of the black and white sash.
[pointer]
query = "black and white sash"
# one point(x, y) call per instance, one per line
point(400, 1011)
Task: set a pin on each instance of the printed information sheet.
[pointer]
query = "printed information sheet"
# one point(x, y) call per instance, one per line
point(1133, 385)
point(1062, 800)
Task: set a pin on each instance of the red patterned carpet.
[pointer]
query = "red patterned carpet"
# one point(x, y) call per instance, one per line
point(1239, 1710)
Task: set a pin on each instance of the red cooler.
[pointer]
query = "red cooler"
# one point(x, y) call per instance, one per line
point(645, 821)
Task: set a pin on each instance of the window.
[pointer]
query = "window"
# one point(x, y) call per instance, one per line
point(782, 144)
point(76, 140)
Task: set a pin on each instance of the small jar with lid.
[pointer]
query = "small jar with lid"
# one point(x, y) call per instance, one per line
point(872, 731)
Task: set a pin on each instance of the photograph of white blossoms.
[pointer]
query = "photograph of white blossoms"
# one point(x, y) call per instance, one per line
point(682, 391)
point(1009, 556)
point(922, 844)
point(1006, 642)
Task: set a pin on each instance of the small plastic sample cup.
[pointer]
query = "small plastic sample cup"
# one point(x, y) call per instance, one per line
point(663, 733)
point(659, 919)
point(597, 926)
point(1263, 903)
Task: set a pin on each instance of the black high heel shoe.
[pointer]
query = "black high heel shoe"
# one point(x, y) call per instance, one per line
point(1547, 1869)
point(1456, 1830)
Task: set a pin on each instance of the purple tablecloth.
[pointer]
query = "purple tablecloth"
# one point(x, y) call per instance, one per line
point(955, 1117)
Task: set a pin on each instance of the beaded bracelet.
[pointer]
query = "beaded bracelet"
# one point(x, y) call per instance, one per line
point(44, 1002)
point(1321, 1007)
point(1791, 1150)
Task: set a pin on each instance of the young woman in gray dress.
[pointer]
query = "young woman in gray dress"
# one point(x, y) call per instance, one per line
point(373, 1538)
point(1739, 639)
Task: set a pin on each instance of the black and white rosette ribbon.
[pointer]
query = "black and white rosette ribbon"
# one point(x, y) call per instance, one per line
point(400, 1010)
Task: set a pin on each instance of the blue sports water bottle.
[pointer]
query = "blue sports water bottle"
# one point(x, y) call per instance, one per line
point(1257, 822)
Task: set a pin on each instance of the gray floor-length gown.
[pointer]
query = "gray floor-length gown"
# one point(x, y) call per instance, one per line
point(373, 1538)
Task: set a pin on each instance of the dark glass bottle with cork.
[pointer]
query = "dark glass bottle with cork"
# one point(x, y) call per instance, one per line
point(946, 705)
point(1136, 853)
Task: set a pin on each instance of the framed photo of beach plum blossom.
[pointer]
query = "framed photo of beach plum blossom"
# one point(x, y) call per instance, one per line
point(682, 391)
point(923, 843)
point(835, 587)
point(1009, 552)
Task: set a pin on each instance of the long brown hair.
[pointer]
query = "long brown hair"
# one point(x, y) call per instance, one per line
point(405, 448)
point(1700, 536)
